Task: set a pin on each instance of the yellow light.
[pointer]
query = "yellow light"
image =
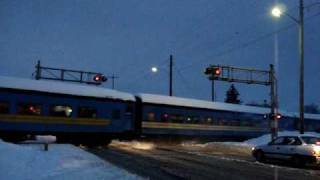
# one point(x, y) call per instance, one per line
point(276, 12)
point(143, 145)
point(317, 150)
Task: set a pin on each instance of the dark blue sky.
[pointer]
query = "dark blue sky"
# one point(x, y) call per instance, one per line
point(128, 37)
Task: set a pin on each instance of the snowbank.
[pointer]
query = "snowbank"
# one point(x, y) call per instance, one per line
point(240, 147)
point(60, 162)
point(266, 138)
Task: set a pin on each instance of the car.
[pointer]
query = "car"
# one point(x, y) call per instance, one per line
point(298, 150)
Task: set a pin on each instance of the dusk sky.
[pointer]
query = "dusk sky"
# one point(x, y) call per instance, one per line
point(128, 37)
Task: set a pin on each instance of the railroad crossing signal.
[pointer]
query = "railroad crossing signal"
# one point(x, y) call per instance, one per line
point(248, 76)
point(214, 71)
point(70, 75)
point(217, 71)
point(100, 78)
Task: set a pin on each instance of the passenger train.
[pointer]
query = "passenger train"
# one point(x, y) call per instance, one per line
point(91, 115)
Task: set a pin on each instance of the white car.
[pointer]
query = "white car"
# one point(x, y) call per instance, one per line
point(297, 149)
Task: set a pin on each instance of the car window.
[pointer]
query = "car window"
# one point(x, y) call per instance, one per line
point(278, 141)
point(311, 140)
point(291, 141)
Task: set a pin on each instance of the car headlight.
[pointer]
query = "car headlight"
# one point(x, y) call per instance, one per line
point(316, 150)
point(253, 148)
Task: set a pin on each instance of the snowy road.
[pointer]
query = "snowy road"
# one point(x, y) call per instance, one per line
point(175, 162)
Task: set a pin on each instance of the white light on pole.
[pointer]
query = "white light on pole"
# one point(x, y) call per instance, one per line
point(276, 12)
point(300, 21)
point(154, 69)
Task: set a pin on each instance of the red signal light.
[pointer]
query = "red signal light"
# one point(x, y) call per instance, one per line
point(217, 71)
point(99, 78)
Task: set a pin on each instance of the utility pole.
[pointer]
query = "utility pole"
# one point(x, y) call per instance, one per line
point(170, 75)
point(301, 52)
point(212, 90)
point(274, 121)
point(38, 70)
point(113, 77)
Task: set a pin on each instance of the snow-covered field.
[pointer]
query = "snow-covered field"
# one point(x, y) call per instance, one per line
point(62, 161)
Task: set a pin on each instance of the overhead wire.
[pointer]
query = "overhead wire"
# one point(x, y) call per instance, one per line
point(251, 42)
point(242, 46)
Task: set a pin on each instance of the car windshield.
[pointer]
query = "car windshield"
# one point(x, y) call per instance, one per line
point(311, 140)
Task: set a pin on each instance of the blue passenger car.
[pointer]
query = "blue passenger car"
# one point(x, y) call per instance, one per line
point(74, 113)
point(174, 116)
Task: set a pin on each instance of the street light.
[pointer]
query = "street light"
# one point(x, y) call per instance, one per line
point(276, 12)
point(154, 69)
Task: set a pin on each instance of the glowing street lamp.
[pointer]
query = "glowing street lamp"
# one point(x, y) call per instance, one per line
point(154, 69)
point(276, 12)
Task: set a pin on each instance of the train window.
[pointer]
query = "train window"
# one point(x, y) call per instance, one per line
point(209, 120)
point(246, 123)
point(223, 122)
point(176, 118)
point(189, 119)
point(195, 120)
point(60, 110)
point(29, 109)
point(129, 109)
point(164, 117)
point(235, 122)
point(4, 108)
point(87, 112)
point(151, 116)
point(115, 114)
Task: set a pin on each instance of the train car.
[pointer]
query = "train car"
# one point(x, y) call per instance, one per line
point(74, 113)
point(182, 117)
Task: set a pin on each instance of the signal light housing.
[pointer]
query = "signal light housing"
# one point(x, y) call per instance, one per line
point(99, 78)
point(217, 71)
point(208, 71)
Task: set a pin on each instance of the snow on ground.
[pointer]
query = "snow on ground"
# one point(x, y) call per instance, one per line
point(240, 147)
point(134, 144)
point(62, 161)
point(266, 138)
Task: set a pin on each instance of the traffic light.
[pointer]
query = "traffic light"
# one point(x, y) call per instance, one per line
point(217, 71)
point(208, 71)
point(100, 78)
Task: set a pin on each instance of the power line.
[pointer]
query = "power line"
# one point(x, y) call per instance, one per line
point(196, 25)
point(251, 42)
